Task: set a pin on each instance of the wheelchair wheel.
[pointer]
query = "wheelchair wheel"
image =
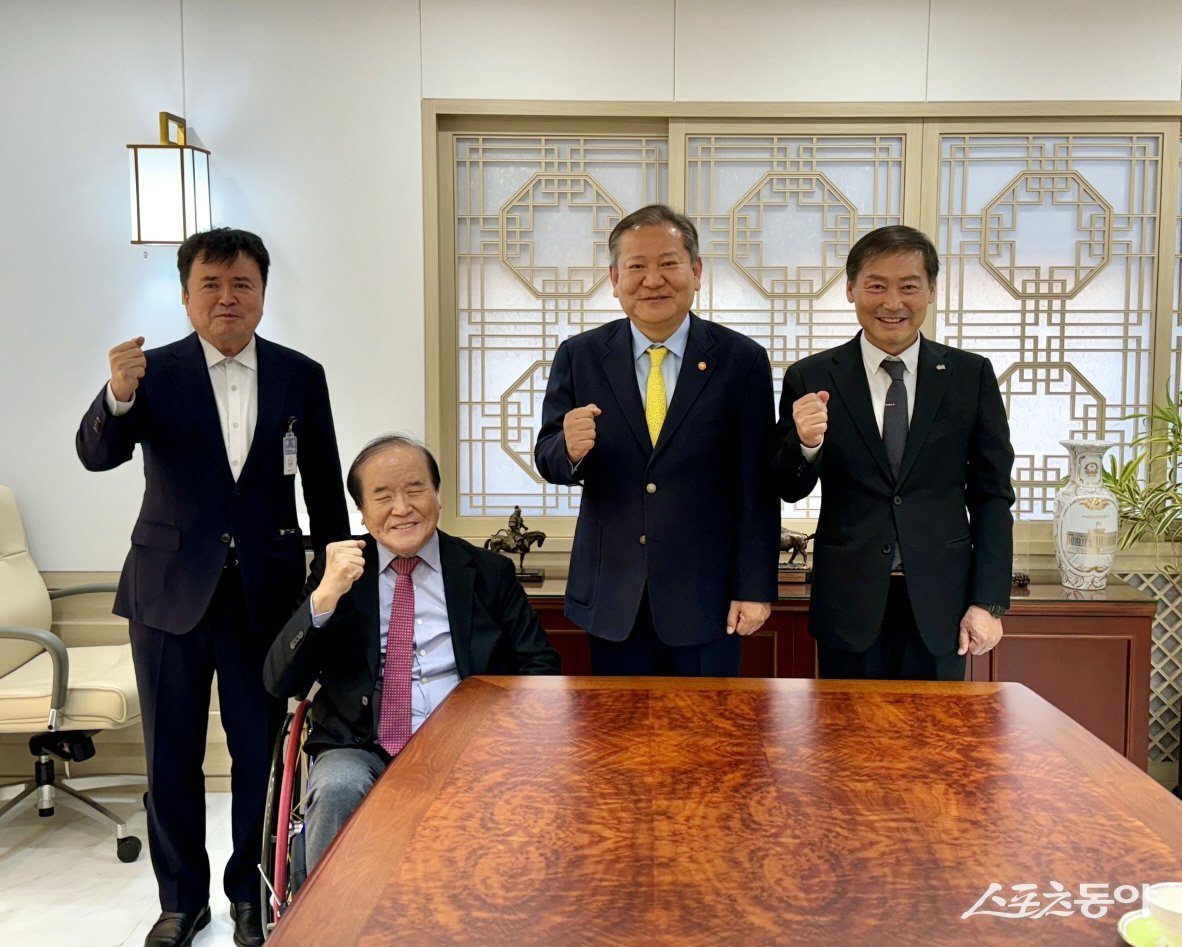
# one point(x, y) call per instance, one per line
point(283, 866)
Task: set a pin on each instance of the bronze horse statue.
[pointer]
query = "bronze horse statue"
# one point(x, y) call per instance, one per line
point(795, 543)
point(504, 541)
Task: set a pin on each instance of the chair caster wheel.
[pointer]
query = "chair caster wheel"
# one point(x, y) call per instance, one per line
point(128, 848)
point(145, 800)
point(45, 813)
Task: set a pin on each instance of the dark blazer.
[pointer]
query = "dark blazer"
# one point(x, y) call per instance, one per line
point(192, 505)
point(950, 506)
point(695, 518)
point(493, 631)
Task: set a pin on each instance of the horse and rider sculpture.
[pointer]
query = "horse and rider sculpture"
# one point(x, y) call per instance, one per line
point(515, 538)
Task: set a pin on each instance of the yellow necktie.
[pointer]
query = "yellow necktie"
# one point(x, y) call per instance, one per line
point(654, 401)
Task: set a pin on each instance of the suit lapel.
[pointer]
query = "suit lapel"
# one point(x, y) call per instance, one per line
point(931, 383)
point(273, 380)
point(690, 379)
point(849, 384)
point(190, 375)
point(620, 369)
point(364, 595)
point(459, 578)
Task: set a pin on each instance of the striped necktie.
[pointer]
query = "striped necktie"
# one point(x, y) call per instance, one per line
point(894, 415)
point(894, 431)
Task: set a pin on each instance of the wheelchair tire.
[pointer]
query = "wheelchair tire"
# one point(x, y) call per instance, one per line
point(284, 794)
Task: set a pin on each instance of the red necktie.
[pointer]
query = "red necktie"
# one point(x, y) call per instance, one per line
point(394, 719)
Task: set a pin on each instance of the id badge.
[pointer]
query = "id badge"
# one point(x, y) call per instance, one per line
point(289, 449)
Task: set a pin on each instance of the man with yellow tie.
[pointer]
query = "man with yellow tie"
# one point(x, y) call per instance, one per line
point(666, 421)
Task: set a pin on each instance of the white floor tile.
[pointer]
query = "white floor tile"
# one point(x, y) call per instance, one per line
point(61, 884)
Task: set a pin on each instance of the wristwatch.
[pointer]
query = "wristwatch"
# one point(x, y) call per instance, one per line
point(995, 610)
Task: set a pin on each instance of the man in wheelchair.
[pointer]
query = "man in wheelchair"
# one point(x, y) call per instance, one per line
point(390, 624)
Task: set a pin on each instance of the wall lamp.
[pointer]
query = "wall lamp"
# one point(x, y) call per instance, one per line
point(169, 186)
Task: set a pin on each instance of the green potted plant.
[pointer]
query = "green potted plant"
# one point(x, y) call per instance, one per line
point(1152, 511)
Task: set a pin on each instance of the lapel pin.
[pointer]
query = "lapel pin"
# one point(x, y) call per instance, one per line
point(939, 366)
point(701, 366)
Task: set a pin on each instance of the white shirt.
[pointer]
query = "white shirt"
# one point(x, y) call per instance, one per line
point(235, 383)
point(879, 382)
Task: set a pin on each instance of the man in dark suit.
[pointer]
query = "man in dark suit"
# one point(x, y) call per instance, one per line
point(224, 419)
point(910, 443)
point(665, 420)
point(390, 624)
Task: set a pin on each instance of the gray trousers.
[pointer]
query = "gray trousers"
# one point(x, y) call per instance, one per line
point(337, 783)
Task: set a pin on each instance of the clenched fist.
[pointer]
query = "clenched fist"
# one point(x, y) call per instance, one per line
point(128, 366)
point(343, 565)
point(578, 427)
point(810, 414)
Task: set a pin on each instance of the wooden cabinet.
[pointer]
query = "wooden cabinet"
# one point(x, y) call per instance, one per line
point(1086, 653)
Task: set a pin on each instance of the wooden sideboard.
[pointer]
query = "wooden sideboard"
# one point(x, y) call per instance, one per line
point(1085, 652)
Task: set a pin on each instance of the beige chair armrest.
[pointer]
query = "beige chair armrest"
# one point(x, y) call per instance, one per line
point(57, 654)
point(81, 624)
point(83, 589)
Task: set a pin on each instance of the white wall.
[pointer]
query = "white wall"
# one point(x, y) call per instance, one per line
point(312, 111)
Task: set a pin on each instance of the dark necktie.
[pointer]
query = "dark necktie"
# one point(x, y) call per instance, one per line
point(394, 717)
point(894, 415)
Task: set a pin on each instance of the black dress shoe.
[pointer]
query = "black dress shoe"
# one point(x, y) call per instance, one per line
point(176, 928)
point(248, 925)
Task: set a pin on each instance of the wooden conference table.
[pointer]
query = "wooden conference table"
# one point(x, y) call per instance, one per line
point(704, 811)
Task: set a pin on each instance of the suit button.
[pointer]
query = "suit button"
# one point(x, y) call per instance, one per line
point(898, 501)
point(886, 550)
point(226, 537)
point(651, 488)
point(643, 540)
point(364, 701)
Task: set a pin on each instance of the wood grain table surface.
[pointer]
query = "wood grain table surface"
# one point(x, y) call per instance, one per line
point(531, 810)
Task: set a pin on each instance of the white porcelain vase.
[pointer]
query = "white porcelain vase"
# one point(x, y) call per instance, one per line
point(1086, 522)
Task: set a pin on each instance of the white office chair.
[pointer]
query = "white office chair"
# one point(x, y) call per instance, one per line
point(62, 696)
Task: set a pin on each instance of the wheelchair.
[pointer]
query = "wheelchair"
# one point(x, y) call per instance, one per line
point(283, 866)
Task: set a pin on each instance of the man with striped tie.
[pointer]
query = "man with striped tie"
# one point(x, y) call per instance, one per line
point(390, 624)
point(909, 441)
point(665, 420)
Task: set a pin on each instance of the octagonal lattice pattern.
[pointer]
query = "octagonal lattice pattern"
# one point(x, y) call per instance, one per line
point(1046, 234)
point(554, 234)
point(791, 234)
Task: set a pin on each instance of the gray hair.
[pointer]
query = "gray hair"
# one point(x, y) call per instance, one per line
point(376, 446)
point(655, 215)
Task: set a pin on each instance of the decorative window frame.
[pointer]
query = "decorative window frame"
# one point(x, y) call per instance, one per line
point(922, 123)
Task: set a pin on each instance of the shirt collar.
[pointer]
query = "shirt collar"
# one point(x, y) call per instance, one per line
point(247, 358)
point(429, 554)
point(874, 356)
point(675, 343)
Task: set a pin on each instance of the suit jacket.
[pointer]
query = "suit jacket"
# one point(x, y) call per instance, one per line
point(493, 631)
point(950, 505)
point(693, 518)
point(192, 505)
